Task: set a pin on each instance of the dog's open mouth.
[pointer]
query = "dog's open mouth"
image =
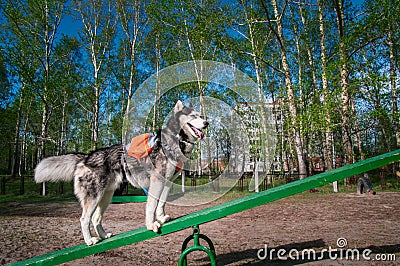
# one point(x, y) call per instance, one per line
point(197, 132)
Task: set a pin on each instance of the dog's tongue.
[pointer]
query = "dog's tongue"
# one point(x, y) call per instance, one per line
point(198, 132)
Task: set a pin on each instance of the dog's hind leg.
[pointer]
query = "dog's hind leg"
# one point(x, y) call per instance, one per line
point(89, 197)
point(155, 190)
point(89, 206)
point(98, 215)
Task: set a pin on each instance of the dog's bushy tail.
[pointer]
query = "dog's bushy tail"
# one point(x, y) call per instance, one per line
point(57, 168)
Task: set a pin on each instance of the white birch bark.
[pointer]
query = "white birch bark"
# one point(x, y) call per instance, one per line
point(290, 94)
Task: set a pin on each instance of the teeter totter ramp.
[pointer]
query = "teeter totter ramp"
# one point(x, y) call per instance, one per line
point(213, 213)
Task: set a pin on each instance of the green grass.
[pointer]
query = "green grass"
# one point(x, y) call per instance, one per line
point(33, 192)
point(36, 198)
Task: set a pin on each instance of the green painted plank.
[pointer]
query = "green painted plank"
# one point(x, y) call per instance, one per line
point(124, 199)
point(215, 212)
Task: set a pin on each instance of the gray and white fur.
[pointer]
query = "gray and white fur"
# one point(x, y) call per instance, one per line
point(98, 174)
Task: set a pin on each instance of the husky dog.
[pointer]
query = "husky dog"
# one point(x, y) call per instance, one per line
point(98, 174)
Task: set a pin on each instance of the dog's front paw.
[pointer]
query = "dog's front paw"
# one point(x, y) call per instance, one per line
point(92, 241)
point(154, 226)
point(107, 235)
point(163, 219)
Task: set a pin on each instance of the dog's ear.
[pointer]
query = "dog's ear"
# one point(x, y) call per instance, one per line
point(178, 106)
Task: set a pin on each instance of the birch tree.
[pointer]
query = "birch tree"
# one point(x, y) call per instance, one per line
point(99, 21)
point(256, 35)
point(384, 22)
point(393, 83)
point(278, 31)
point(346, 97)
point(133, 20)
point(35, 24)
point(328, 137)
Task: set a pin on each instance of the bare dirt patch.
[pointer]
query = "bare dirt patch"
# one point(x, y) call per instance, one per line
point(306, 221)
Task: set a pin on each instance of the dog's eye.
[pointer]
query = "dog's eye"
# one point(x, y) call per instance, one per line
point(195, 116)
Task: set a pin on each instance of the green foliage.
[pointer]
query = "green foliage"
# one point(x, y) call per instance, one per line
point(45, 70)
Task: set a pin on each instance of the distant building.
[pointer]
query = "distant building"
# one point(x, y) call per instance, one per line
point(261, 124)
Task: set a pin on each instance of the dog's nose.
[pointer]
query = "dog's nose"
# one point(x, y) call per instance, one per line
point(206, 124)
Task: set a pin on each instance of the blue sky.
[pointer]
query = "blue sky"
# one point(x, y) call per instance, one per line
point(71, 26)
point(357, 2)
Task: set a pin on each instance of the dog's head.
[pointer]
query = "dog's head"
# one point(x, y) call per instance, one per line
point(190, 121)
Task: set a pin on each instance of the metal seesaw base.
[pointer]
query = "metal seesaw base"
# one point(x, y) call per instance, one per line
point(196, 236)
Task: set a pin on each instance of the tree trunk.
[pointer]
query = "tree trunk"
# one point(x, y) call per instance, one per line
point(14, 161)
point(157, 95)
point(22, 163)
point(132, 21)
point(63, 136)
point(96, 113)
point(309, 50)
point(344, 83)
point(260, 107)
point(325, 92)
point(395, 110)
point(42, 138)
point(199, 75)
point(43, 127)
point(290, 94)
point(99, 23)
